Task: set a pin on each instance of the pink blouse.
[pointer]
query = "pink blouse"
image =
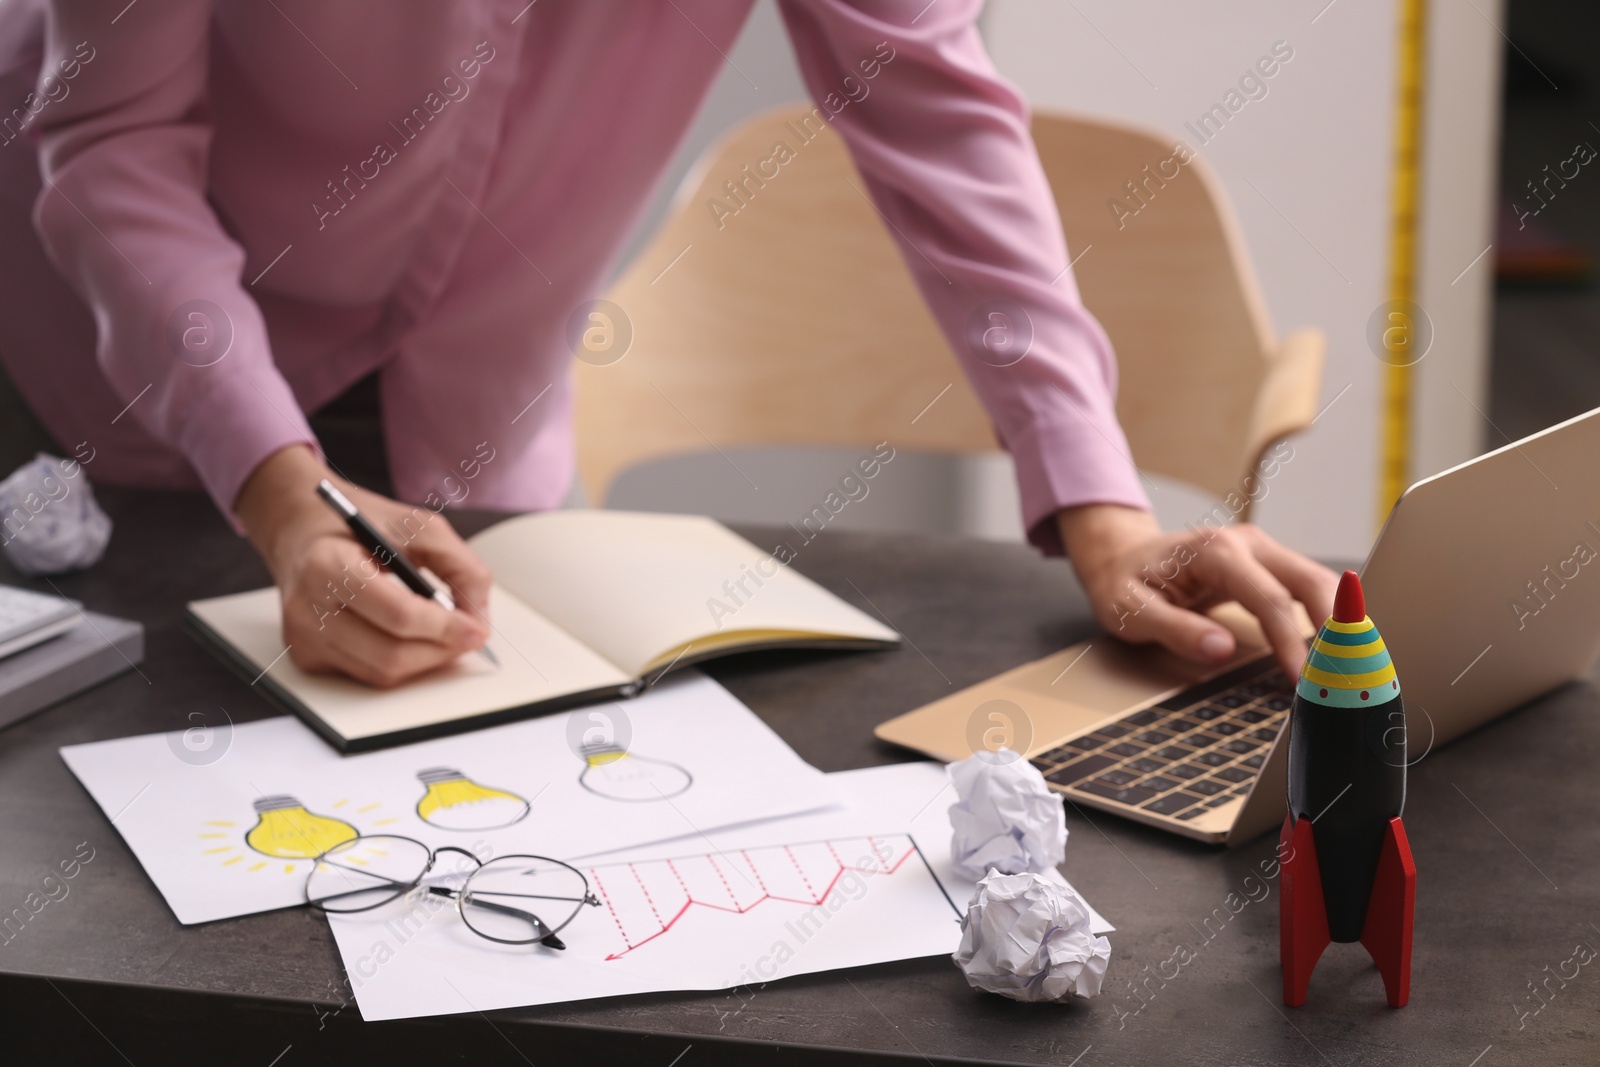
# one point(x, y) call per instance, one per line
point(257, 203)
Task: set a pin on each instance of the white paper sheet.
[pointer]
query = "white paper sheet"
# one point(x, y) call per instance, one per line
point(697, 759)
point(867, 881)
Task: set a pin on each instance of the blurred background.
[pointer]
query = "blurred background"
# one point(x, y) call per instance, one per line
point(1507, 217)
point(1309, 170)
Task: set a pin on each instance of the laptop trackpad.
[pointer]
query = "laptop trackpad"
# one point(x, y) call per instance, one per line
point(1039, 704)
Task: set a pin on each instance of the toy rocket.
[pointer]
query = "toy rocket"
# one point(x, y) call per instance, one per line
point(1347, 868)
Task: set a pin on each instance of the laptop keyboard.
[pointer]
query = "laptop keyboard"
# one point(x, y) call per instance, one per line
point(1194, 751)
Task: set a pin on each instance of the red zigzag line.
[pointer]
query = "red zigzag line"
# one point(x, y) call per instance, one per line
point(670, 923)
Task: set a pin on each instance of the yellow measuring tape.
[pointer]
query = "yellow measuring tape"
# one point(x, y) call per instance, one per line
point(1394, 471)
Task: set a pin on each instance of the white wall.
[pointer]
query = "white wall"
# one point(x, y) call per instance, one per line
point(1307, 168)
point(1461, 149)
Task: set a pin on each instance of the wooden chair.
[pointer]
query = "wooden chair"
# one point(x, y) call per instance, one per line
point(795, 322)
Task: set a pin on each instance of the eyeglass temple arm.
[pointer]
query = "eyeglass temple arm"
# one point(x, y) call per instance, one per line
point(547, 938)
point(357, 892)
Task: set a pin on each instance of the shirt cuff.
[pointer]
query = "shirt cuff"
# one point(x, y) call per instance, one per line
point(1064, 464)
point(242, 427)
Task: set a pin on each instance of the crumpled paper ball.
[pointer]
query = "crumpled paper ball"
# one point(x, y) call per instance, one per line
point(1005, 817)
point(49, 521)
point(1027, 937)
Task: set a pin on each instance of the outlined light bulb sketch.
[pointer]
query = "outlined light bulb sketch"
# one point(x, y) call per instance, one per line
point(610, 770)
point(455, 802)
point(287, 830)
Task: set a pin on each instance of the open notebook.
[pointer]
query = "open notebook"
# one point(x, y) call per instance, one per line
point(587, 605)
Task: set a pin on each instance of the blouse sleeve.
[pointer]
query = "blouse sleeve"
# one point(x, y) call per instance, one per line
point(123, 214)
point(943, 145)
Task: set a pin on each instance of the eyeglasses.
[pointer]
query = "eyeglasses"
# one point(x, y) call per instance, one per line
point(496, 899)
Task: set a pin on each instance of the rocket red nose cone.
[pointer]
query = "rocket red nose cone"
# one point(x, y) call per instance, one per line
point(1349, 604)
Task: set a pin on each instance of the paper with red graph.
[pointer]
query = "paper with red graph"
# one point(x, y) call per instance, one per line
point(866, 882)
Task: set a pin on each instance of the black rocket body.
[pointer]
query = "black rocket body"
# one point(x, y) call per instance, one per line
point(1347, 773)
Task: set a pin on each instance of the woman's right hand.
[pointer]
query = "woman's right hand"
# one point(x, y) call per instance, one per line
point(341, 614)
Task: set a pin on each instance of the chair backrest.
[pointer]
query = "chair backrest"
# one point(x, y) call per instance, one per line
point(787, 316)
point(1162, 264)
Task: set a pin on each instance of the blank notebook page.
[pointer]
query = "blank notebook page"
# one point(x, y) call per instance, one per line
point(638, 587)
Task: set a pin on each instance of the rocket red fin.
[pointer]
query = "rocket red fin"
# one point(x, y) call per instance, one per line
point(1387, 932)
point(1302, 917)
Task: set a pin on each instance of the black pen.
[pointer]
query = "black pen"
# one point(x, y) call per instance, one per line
point(387, 555)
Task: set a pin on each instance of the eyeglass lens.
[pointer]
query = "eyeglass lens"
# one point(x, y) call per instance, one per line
point(521, 899)
point(365, 873)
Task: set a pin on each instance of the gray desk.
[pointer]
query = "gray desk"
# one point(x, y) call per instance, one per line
point(1503, 824)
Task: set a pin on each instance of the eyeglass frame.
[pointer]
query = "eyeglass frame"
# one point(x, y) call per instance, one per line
point(549, 940)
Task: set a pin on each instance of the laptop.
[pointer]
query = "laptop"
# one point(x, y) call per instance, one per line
point(1484, 581)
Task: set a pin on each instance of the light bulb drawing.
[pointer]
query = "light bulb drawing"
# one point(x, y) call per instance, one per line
point(452, 801)
point(611, 771)
point(221, 838)
point(288, 831)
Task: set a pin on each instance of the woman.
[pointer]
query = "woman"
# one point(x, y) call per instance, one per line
point(239, 210)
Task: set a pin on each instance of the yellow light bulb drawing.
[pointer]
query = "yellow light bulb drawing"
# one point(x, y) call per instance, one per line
point(287, 830)
point(455, 802)
point(610, 770)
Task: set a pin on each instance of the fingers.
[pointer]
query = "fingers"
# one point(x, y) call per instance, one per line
point(341, 613)
point(441, 550)
point(1311, 583)
point(1229, 563)
point(392, 608)
point(427, 538)
point(1145, 591)
point(349, 644)
point(385, 602)
point(1188, 633)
